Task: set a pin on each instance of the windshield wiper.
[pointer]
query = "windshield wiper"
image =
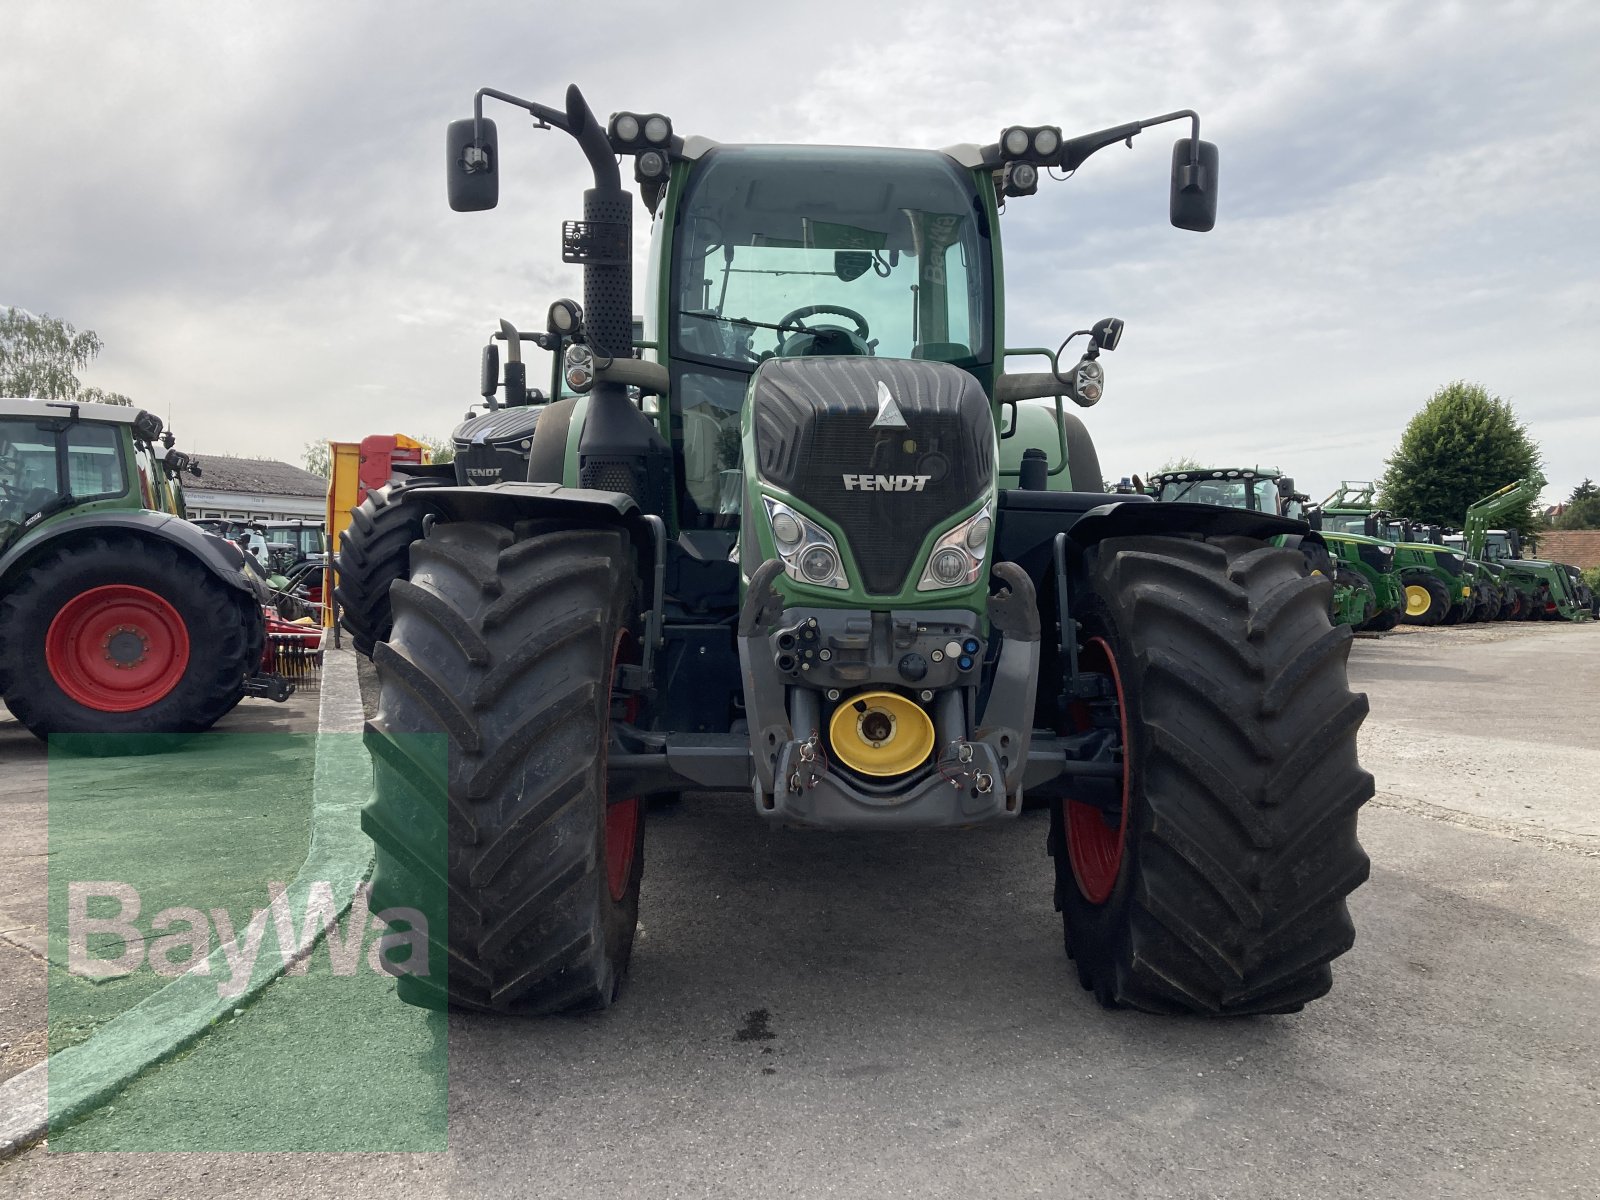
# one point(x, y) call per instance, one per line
point(711, 316)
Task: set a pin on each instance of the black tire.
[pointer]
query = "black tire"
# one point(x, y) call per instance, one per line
point(1242, 787)
point(1514, 607)
point(222, 626)
point(1383, 621)
point(1457, 613)
point(1488, 608)
point(507, 643)
point(373, 552)
point(1438, 600)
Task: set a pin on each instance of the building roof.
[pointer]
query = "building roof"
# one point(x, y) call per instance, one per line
point(258, 476)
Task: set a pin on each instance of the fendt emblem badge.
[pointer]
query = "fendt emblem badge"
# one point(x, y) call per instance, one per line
point(888, 411)
point(886, 483)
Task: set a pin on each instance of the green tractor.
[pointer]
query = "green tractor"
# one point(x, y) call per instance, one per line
point(1367, 594)
point(116, 616)
point(1547, 589)
point(781, 556)
point(1439, 588)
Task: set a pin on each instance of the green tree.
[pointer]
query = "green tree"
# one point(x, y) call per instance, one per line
point(1583, 508)
point(1462, 445)
point(41, 357)
point(440, 450)
point(315, 459)
point(1181, 463)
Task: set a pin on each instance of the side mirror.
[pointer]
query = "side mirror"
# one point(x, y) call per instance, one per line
point(1107, 332)
point(489, 376)
point(473, 166)
point(850, 265)
point(1286, 487)
point(1193, 203)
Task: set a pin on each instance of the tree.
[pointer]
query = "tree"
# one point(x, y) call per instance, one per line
point(315, 459)
point(1462, 445)
point(41, 357)
point(1181, 463)
point(440, 450)
point(1583, 508)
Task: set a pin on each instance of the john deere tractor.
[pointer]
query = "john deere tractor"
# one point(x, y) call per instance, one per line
point(1547, 589)
point(1367, 593)
point(780, 556)
point(1439, 586)
point(116, 616)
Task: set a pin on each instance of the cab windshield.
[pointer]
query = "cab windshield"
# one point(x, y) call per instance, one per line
point(791, 251)
point(801, 250)
point(48, 465)
point(1260, 495)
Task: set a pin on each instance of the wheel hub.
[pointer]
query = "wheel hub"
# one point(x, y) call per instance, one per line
point(117, 648)
point(126, 647)
point(1418, 601)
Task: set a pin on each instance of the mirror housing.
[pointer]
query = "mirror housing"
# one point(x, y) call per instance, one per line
point(1285, 487)
point(1193, 201)
point(850, 265)
point(473, 167)
point(489, 376)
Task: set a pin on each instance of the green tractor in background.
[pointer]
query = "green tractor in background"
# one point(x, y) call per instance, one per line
point(117, 617)
point(1439, 587)
point(795, 553)
point(1548, 589)
point(1367, 592)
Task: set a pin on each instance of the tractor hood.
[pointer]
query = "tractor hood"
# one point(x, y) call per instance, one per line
point(888, 451)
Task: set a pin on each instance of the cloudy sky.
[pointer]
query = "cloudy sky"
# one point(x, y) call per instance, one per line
point(246, 202)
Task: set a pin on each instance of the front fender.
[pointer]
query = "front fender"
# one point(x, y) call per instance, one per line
point(507, 503)
point(219, 556)
point(1207, 520)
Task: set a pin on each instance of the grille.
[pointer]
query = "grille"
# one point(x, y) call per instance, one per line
point(481, 465)
point(815, 439)
point(1379, 558)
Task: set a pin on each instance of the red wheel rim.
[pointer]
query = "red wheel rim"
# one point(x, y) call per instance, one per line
point(1094, 848)
point(623, 817)
point(117, 648)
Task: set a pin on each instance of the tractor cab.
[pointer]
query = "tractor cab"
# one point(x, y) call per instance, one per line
point(1255, 489)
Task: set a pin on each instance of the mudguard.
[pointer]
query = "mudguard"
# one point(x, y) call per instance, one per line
point(221, 557)
point(1207, 520)
point(507, 503)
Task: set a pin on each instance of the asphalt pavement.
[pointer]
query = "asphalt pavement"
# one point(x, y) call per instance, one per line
point(816, 1015)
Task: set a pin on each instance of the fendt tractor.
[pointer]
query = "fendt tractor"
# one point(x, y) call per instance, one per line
point(1367, 592)
point(116, 616)
point(490, 447)
point(778, 556)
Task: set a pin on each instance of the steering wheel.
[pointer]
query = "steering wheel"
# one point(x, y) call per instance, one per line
point(793, 320)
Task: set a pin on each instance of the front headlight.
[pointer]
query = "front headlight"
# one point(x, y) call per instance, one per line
point(956, 559)
point(808, 551)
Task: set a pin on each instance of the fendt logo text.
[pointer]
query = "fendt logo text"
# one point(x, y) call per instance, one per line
point(885, 483)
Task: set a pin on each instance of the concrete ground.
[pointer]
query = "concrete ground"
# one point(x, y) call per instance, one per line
point(883, 1016)
point(23, 832)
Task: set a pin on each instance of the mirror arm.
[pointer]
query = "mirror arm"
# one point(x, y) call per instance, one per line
point(548, 118)
point(1074, 151)
point(577, 121)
